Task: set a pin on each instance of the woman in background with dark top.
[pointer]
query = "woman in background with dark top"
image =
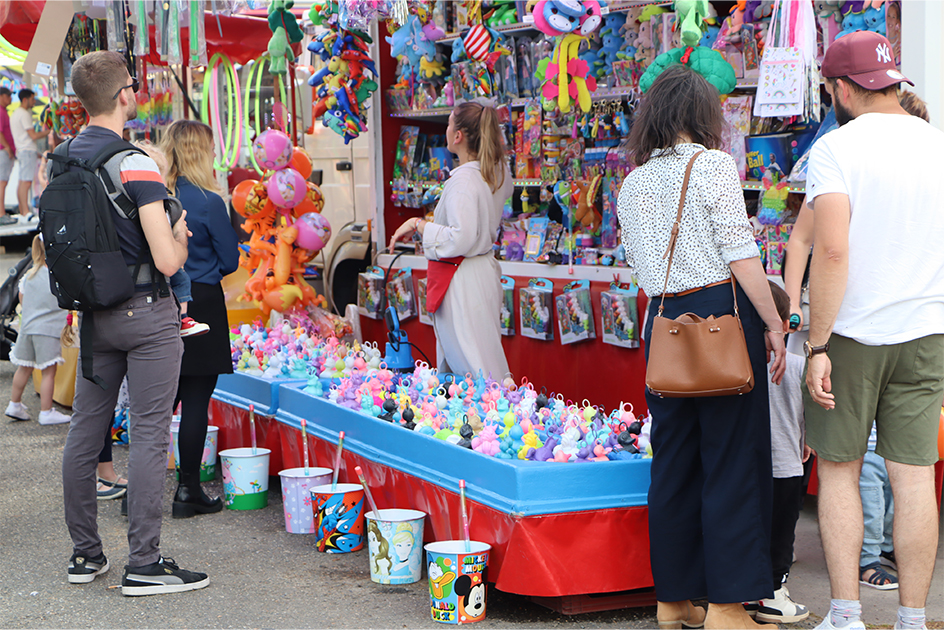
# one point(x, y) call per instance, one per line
point(213, 254)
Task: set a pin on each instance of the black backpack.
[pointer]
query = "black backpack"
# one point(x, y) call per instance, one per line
point(87, 271)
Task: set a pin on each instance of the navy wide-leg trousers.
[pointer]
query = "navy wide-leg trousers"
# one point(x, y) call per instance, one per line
point(710, 496)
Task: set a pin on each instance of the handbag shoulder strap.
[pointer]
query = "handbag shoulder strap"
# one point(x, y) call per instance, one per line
point(670, 250)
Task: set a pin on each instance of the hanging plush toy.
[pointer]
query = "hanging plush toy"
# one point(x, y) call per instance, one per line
point(480, 43)
point(691, 17)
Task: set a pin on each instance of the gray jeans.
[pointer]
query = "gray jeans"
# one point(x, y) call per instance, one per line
point(140, 338)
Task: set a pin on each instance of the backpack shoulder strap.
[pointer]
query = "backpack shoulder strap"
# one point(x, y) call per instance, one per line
point(110, 172)
point(59, 159)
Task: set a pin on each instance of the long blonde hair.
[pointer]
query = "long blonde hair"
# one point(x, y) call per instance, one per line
point(480, 125)
point(39, 255)
point(188, 145)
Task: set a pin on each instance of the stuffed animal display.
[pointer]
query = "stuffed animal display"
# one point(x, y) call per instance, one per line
point(344, 85)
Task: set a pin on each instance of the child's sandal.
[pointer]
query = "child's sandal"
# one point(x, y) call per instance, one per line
point(880, 578)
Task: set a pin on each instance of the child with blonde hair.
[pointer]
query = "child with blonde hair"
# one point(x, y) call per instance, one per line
point(37, 345)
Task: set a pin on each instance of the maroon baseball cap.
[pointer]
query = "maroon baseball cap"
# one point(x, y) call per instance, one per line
point(866, 58)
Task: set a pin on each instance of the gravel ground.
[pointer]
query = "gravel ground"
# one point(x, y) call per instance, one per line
point(261, 576)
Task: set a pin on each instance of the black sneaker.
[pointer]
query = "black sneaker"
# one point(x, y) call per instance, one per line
point(163, 576)
point(83, 569)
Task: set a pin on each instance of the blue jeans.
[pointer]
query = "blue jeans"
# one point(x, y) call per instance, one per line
point(878, 509)
point(180, 285)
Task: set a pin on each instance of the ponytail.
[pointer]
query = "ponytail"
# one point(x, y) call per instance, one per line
point(38, 254)
point(480, 125)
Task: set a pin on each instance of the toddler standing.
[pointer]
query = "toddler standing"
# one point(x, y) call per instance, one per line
point(788, 452)
point(37, 345)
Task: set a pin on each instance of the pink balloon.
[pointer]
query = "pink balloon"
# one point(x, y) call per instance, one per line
point(272, 149)
point(287, 188)
point(314, 231)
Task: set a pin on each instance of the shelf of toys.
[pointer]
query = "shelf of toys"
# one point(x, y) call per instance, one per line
point(568, 165)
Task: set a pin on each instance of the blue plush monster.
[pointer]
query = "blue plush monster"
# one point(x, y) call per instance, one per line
point(875, 19)
point(612, 43)
point(612, 23)
point(710, 36)
point(409, 41)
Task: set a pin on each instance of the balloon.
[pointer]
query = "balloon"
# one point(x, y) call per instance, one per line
point(301, 162)
point(241, 192)
point(304, 207)
point(314, 231)
point(256, 200)
point(316, 197)
point(286, 188)
point(282, 298)
point(272, 149)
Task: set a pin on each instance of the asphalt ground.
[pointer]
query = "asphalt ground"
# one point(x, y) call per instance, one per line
point(263, 577)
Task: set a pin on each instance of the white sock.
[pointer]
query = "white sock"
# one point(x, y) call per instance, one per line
point(911, 617)
point(842, 612)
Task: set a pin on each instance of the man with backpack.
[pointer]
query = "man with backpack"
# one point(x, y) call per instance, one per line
point(138, 336)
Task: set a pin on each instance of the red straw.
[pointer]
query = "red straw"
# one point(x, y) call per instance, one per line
point(370, 498)
point(252, 427)
point(337, 462)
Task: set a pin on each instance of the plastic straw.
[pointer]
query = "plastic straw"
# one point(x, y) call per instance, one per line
point(337, 462)
point(252, 427)
point(305, 445)
point(370, 497)
point(465, 516)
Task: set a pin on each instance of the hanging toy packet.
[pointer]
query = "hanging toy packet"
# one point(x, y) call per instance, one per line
point(575, 313)
point(508, 306)
point(619, 314)
point(535, 302)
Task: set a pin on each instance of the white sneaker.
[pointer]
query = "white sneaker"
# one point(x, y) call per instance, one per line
point(17, 411)
point(53, 416)
point(898, 627)
point(781, 608)
point(828, 625)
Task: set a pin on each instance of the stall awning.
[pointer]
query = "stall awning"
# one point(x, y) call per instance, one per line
point(243, 38)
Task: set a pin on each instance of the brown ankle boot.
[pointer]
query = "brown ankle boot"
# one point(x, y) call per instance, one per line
point(732, 617)
point(677, 615)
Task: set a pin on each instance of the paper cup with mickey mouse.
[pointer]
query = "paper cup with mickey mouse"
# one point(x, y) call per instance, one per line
point(457, 580)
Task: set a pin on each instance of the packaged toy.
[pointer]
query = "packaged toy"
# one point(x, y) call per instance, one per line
point(535, 304)
point(508, 306)
point(575, 313)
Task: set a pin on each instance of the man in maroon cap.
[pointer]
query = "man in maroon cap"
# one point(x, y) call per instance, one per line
point(877, 309)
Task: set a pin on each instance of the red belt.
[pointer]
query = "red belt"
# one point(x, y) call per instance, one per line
point(695, 290)
point(439, 275)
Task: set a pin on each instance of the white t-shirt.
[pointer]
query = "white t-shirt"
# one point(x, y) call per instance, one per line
point(20, 121)
point(892, 168)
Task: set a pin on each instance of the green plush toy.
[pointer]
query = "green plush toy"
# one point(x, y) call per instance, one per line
point(691, 18)
point(279, 51)
point(703, 60)
point(280, 16)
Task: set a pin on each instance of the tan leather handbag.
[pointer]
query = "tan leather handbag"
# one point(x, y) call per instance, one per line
point(691, 356)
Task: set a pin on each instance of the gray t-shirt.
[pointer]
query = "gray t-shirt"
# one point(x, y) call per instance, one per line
point(787, 425)
point(41, 312)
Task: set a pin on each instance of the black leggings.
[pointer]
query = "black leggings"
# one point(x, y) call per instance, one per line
point(194, 393)
point(788, 501)
point(105, 455)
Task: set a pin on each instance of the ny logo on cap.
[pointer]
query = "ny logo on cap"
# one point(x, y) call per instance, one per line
point(884, 54)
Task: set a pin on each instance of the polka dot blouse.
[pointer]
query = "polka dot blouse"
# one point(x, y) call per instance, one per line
point(714, 231)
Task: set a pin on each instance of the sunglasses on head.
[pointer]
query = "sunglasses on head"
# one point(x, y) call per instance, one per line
point(134, 87)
